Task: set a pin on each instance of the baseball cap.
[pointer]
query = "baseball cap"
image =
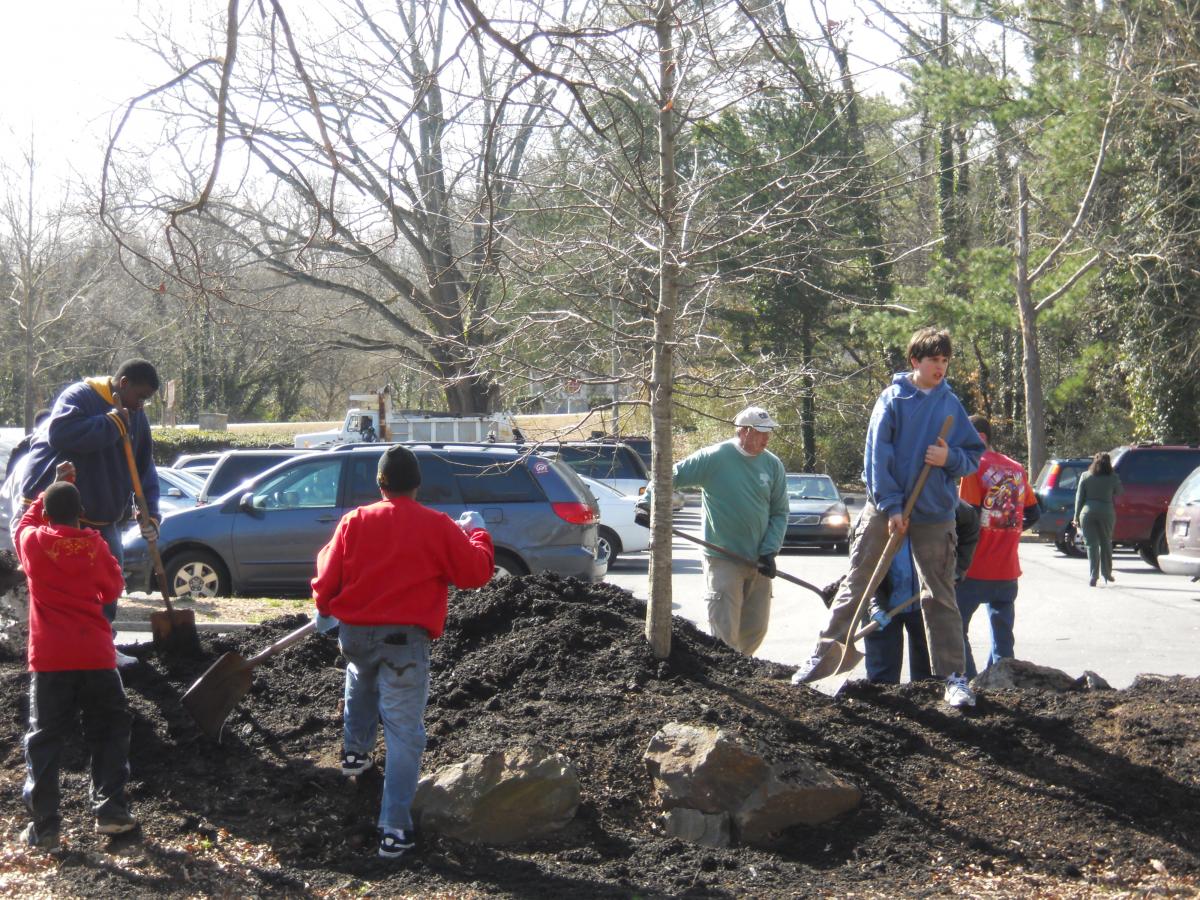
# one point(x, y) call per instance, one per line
point(755, 417)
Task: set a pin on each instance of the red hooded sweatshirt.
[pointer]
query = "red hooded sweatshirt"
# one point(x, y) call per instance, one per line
point(391, 563)
point(71, 574)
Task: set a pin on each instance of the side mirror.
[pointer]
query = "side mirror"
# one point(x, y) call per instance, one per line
point(246, 503)
point(174, 492)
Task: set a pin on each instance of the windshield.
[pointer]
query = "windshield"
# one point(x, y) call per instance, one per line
point(811, 487)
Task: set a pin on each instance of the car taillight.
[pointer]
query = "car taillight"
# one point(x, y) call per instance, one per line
point(1052, 476)
point(575, 513)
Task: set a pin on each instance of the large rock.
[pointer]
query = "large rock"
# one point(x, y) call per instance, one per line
point(804, 794)
point(707, 769)
point(1022, 675)
point(711, 772)
point(705, 829)
point(502, 797)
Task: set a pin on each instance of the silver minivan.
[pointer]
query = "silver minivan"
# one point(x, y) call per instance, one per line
point(263, 539)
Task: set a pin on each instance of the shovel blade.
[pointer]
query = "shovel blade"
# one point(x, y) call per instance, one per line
point(213, 696)
point(175, 632)
point(835, 668)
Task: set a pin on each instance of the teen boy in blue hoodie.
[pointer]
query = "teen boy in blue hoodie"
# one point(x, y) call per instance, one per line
point(901, 439)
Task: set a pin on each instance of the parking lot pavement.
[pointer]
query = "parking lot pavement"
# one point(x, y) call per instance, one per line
point(1145, 622)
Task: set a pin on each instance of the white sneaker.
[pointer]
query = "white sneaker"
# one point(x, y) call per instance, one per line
point(124, 660)
point(804, 672)
point(958, 692)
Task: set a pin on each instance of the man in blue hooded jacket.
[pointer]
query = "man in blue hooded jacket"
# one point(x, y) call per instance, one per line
point(901, 439)
point(87, 426)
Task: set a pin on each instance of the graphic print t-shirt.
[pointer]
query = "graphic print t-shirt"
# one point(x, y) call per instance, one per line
point(1001, 490)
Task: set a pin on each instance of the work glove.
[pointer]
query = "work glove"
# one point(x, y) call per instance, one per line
point(470, 521)
point(882, 618)
point(766, 564)
point(149, 529)
point(325, 624)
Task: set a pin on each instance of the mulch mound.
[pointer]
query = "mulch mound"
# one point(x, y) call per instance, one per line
point(1029, 794)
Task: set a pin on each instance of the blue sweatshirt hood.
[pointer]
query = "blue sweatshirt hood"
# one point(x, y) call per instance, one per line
point(904, 422)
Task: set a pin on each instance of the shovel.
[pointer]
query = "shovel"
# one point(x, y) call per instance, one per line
point(174, 630)
point(213, 695)
point(827, 600)
point(837, 663)
point(832, 684)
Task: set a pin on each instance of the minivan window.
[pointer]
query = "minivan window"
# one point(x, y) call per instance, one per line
point(235, 469)
point(604, 462)
point(310, 486)
point(488, 481)
point(1159, 466)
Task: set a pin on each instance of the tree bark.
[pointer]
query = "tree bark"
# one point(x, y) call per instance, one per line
point(658, 610)
point(1031, 364)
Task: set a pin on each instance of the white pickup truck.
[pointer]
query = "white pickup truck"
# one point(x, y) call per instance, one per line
point(371, 418)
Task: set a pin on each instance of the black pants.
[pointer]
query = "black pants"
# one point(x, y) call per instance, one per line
point(885, 650)
point(56, 702)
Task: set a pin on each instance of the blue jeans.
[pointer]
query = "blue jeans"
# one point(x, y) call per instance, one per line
point(112, 536)
point(885, 649)
point(56, 700)
point(998, 596)
point(387, 677)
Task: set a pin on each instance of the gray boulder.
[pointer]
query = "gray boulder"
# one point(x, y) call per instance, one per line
point(1009, 674)
point(502, 797)
point(710, 772)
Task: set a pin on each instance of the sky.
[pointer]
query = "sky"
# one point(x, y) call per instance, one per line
point(68, 68)
point(64, 70)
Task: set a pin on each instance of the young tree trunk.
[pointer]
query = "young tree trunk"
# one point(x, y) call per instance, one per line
point(1031, 364)
point(658, 610)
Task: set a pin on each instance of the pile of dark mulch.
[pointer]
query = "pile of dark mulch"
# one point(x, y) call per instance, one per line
point(1069, 793)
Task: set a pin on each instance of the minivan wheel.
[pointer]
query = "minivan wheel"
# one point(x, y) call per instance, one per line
point(197, 575)
point(1157, 546)
point(608, 545)
point(1070, 542)
point(508, 566)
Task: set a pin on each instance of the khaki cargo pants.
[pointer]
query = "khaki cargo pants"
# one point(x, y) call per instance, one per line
point(935, 551)
point(739, 603)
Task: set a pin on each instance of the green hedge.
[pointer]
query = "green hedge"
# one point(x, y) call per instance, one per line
point(171, 443)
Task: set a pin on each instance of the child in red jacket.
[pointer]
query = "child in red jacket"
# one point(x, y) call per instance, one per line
point(384, 575)
point(72, 661)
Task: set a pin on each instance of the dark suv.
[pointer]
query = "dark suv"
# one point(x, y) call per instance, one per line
point(1150, 475)
point(1055, 490)
point(264, 538)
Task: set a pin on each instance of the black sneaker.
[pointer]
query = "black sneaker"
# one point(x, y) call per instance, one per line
point(355, 763)
point(115, 823)
point(46, 839)
point(393, 844)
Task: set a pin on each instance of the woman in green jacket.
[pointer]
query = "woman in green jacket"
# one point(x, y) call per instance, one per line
point(1095, 515)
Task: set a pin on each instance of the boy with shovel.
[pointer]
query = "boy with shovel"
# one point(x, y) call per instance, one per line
point(900, 446)
point(384, 577)
point(72, 662)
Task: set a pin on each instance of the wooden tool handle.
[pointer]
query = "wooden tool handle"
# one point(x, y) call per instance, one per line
point(737, 557)
point(284, 642)
point(893, 545)
point(143, 514)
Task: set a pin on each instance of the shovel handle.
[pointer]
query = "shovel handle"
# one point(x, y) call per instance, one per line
point(143, 513)
point(737, 557)
point(283, 643)
point(893, 545)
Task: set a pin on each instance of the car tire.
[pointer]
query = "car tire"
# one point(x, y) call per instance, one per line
point(508, 565)
point(1069, 542)
point(1157, 546)
point(197, 575)
point(608, 544)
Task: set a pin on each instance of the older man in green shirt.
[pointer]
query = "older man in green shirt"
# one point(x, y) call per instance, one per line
point(745, 511)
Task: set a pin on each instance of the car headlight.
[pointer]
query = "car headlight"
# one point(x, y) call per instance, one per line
point(836, 519)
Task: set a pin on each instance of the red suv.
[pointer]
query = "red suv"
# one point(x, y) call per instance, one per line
point(1150, 474)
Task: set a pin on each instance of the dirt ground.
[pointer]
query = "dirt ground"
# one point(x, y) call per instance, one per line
point(1030, 795)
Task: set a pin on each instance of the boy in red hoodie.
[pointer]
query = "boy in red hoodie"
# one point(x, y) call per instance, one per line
point(384, 575)
point(72, 661)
